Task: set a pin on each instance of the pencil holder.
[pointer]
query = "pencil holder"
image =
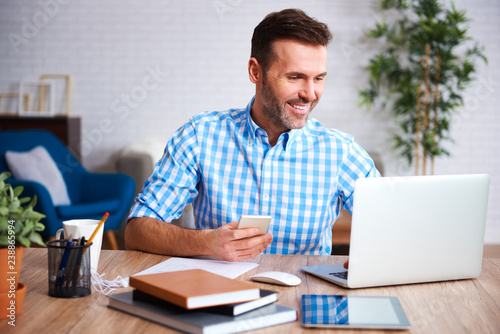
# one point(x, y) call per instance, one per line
point(69, 269)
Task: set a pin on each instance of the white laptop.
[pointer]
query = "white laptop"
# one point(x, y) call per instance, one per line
point(413, 229)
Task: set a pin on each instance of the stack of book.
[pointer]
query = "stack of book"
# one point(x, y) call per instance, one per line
point(197, 301)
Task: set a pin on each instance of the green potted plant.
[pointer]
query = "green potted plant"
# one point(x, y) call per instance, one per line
point(427, 61)
point(19, 227)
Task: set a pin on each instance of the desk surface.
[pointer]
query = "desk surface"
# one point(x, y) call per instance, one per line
point(447, 307)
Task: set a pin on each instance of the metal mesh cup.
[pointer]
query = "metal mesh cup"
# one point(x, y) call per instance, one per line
point(69, 269)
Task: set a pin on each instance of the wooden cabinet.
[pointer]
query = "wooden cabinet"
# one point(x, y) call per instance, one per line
point(68, 129)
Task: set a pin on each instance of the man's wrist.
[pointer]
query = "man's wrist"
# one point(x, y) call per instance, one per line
point(204, 242)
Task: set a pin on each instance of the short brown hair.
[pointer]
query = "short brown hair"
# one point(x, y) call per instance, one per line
point(291, 24)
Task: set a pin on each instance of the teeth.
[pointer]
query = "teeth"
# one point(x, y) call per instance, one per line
point(300, 107)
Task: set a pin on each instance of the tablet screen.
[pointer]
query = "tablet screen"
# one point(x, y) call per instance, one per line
point(353, 311)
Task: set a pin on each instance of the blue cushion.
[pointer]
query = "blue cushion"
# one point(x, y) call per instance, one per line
point(91, 209)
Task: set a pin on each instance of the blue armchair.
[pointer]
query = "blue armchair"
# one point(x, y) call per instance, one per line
point(91, 194)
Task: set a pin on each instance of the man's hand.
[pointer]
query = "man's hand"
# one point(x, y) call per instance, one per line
point(231, 244)
point(226, 242)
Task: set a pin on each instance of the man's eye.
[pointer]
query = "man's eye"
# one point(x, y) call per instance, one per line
point(293, 78)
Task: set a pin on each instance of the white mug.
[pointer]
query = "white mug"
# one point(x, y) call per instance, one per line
point(78, 228)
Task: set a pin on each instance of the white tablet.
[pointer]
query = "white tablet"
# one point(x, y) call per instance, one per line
point(262, 222)
point(376, 312)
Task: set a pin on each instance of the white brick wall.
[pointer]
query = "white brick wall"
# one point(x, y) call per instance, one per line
point(141, 68)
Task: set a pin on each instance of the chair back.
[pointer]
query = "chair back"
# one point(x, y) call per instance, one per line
point(25, 140)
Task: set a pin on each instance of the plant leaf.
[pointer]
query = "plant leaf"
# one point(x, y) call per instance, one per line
point(39, 227)
point(4, 176)
point(18, 190)
point(4, 211)
point(37, 239)
point(4, 241)
point(22, 240)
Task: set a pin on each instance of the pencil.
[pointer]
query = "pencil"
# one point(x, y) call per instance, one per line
point(103, 219)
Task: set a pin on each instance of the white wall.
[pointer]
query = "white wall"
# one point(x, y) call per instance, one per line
point(142, 68)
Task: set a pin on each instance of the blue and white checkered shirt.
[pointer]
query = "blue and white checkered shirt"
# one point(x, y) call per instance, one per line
point(223, 163)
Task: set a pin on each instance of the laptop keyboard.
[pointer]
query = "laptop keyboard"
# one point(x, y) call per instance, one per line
point(342, 275)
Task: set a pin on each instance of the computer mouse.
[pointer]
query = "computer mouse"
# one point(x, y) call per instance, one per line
point(276, 277)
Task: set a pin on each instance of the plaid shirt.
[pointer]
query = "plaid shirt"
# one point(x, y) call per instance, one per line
point(223, 163)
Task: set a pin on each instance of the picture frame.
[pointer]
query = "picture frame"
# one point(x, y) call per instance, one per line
point(62, 92)
point(42, 102)
point(13, 98)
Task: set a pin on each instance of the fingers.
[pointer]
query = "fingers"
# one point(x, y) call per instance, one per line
point(249, 243)
point(257, 243)
point(248, 248)
point(245, 233)
point(232, 244)
point(241, 233)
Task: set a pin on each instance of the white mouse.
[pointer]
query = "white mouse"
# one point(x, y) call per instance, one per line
point(276, 277)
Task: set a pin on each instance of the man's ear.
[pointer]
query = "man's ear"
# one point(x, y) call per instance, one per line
point(254, 70)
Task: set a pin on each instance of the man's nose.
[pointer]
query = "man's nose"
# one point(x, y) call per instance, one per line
point(307, 92)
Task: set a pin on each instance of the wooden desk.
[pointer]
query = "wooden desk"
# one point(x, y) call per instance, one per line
point(468, 306)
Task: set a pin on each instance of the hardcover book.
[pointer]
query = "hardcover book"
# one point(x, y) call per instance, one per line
point(266, 297)
point(199, 320)
point(195, 288)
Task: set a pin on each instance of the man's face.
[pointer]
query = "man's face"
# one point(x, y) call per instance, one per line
point(293, 85)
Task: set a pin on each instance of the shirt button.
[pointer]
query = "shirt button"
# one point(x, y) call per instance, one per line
point(266, 196)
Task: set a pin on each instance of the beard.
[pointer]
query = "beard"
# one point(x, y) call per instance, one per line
point(275, 110)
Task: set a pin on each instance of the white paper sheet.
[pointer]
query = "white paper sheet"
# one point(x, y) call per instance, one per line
point(223, 268)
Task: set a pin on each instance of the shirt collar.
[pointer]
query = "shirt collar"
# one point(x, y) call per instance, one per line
point(252, 128)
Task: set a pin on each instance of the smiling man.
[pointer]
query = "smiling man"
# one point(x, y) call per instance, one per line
point(269, 158)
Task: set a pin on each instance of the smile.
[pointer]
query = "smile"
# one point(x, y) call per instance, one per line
point(299, 109)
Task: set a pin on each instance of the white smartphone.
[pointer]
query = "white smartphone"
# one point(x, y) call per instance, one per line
point(262, 222)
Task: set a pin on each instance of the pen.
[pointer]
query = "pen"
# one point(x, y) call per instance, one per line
point(76, 269)
point(70, 264)
point(64, 261)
